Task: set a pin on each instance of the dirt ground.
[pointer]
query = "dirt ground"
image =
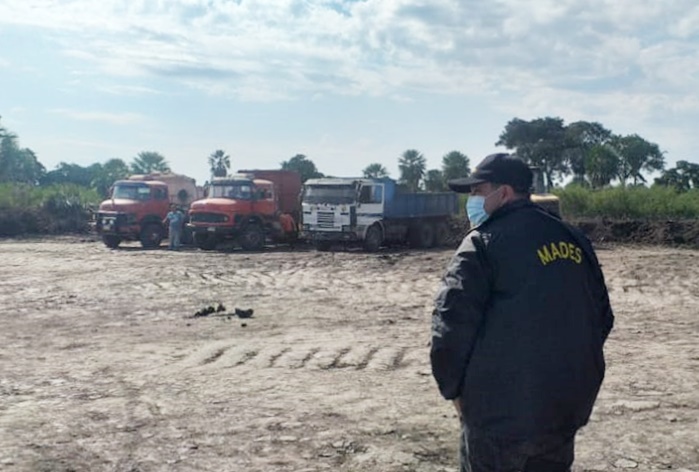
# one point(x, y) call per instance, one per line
point(102, 367)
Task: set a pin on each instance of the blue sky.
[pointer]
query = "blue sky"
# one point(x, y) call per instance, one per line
point(347, 83)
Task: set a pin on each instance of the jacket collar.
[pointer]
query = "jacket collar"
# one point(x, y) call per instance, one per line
point(509, 208)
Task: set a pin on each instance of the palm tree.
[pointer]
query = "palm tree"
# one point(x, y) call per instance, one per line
point(375, 171)
point(434, 181)
point(149, 161)
point(412, 169)
point(219, 163)
point(455, 165)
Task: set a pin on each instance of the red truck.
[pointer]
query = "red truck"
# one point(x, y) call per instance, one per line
point(138, 205)
point(249, 208)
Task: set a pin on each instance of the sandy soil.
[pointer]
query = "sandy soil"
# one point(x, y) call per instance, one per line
point(102, 367)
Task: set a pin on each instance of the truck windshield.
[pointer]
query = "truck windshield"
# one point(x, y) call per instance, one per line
point(242, 191)
point(332, 194)
point(131, 191)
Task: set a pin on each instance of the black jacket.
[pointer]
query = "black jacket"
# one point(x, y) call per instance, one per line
point(520, 319)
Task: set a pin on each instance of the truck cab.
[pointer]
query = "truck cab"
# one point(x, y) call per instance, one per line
point(134, 212)
point(138, 205)
point(242, 208)
point(330, 205)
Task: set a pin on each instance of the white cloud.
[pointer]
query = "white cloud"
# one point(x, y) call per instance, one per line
point(130, 90)
point(621, 62)
point(374, 47)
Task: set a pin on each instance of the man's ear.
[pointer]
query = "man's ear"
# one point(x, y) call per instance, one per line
point(509, 193)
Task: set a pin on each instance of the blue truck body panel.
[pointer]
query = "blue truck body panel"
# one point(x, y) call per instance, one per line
point(421, 205)
point(416, 205)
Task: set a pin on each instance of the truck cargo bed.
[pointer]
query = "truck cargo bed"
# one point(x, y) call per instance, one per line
point(421, 205)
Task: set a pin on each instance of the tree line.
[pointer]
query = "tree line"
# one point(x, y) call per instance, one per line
point(20, 165)
point(582, 153)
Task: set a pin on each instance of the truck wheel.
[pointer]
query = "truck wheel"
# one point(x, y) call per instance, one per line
point(422, 235)
point(151, 235)
point(206, 242)
point(322, 246)
point(373, 238)
point(111, 241)
point(253, 238)
point(441, 234)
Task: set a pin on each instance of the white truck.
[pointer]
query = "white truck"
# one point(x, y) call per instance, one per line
point(373, 212)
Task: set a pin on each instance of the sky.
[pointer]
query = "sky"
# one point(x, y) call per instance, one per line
point(345, 82)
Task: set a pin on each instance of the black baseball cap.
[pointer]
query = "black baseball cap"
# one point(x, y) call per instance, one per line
point(501, 168)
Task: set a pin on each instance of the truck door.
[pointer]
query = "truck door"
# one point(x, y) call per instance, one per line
point(370, 204)
point(160, 202)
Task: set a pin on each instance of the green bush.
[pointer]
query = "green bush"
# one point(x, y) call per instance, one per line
point(653, 203)
point(53, 209)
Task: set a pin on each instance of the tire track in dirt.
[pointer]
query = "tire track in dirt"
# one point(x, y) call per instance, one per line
point(312, 357)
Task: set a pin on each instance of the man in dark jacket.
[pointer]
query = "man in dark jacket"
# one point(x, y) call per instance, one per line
point(519, 325)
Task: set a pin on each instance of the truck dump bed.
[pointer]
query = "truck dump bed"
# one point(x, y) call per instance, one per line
point(287, 184)
point(182, 190)
point(421, 205)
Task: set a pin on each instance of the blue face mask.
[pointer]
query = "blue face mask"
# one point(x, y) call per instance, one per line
point(475, 208)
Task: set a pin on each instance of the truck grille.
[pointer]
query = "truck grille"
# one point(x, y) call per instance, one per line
point(207, 218)
point(326, 219)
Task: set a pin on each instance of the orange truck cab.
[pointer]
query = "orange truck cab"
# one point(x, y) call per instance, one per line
point(138, 205)
point(249, 208)
point(134, 213)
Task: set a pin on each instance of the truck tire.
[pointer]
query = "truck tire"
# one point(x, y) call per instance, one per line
point(252, 238)
point(205, 242)
point(322, 246)
point(422, 235)
point(151, 235)
point(111, 241)
point(373, 238)
point(441, 234)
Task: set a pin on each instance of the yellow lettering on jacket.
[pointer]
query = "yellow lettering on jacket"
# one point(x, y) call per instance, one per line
point(561, 250)
point(554, 251)
point(544, 255)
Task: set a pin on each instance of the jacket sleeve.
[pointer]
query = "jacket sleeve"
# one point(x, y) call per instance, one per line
point(606, 313)
point(459, 309)
point(601, 294)
point(607, 318)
